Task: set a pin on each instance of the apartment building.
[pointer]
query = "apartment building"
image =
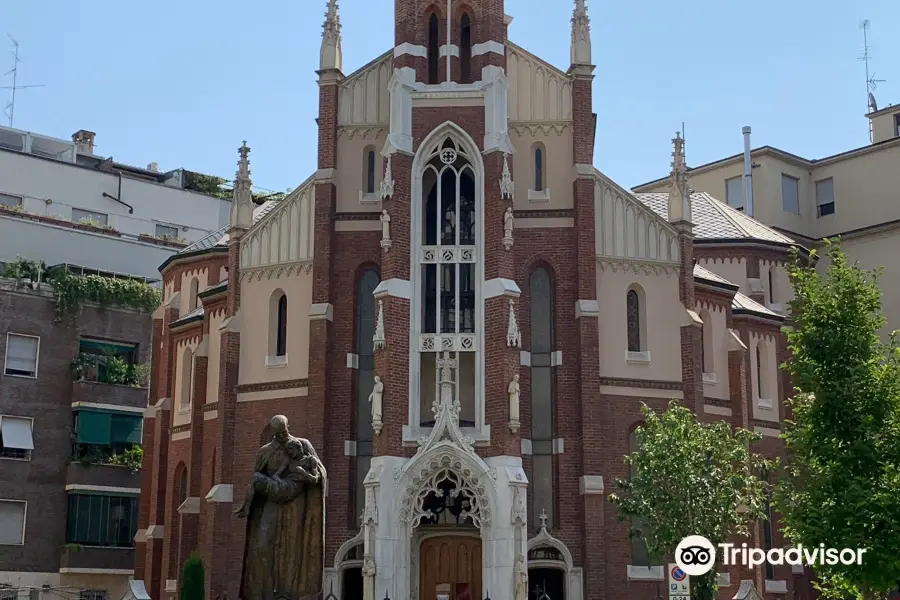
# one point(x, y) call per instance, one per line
point(854, 195)
point(61, 203)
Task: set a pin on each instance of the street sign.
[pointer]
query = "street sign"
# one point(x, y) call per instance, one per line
point(679, 583)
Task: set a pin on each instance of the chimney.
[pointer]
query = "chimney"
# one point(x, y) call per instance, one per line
point(748, 174)
point(84, 141)
point(154, 166)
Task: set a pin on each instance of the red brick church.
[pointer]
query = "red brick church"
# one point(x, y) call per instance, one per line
point(515, 305)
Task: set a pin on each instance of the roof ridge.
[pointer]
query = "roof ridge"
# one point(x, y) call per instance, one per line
point(716, 204)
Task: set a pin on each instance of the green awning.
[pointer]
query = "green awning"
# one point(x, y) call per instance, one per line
point(126, 429)
point(94, 427)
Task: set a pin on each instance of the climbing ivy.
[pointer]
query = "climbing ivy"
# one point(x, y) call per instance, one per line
point(72, 291)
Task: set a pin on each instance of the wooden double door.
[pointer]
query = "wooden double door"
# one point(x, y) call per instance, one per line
point(450, 561)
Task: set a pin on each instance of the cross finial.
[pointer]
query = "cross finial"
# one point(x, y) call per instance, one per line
point(543, 519)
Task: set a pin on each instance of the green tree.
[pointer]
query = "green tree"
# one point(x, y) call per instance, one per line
point(691, 478)
point(192, 585)
point(843, 487)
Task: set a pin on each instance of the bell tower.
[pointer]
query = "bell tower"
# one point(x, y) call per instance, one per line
point(449, 40)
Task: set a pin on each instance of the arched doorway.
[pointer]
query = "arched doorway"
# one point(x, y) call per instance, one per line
point(546, 574)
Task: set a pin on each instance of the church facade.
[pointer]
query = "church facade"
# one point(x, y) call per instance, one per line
point(463, 316)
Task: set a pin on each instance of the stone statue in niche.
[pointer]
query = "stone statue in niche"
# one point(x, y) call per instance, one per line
point(513, 392)
point(521, 578)
point(368, 573)
point(508, 220)
point(284, 505)
point(385, 230)
point(375, 400)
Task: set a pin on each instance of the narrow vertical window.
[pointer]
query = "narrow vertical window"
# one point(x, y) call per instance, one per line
point(633, 302)
point(542, 410)
point(465, 50)
point(759, 370)
point(370, 171)
point(192, 294)
point(281, 332)
point(433, 48)
point(183, 486)
point(365, 379)
point(539, 169)
point(187, 376)
point(640, 557)
point(771, 285)
point(707, 346)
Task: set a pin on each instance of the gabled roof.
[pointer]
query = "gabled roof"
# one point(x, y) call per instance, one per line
point(194, 315)
point(707, 276)
point(715, 220)
point(742, 305)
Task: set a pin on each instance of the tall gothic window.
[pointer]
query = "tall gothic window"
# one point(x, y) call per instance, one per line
point(370, 171)
point(760, 365)
point(447, 259)
point(433, 48)
point(192, 294)
point(707, 347)
point(542, 489)
point(639, 555)
point(465, 49)
point(539, 168)
point(281, 326)
point(633, 305)
point(365, 379)
point(187, 378)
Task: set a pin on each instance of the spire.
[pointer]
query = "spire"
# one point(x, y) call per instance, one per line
point(242, 200)
point(581, 35)
point(679, 192)
point(330, 57)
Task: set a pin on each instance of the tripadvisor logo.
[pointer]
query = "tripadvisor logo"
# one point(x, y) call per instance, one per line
point(696, 555)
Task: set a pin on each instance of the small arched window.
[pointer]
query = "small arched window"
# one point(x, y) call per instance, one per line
point(465, 49)
point(370, 170)
point(187, 378)
point(539, 159)
point(278, 315)
point(192, 294)
point(434, 30)
point(633, 305)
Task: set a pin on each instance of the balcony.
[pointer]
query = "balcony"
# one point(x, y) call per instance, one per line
point(98, 474)
point(94, 392)
point(76, 558)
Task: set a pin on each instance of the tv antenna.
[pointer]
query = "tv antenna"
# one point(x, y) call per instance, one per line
point(10, 109)
point(871, 82)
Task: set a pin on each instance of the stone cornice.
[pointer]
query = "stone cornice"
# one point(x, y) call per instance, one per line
point(646, 267)
point(648, 384)
point(276, 271)
point(271, 386)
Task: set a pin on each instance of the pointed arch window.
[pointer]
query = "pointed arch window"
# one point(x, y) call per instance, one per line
point(370, 170)
point(365, 379)
point(707, 348)
point(278, 323)
point(187, 378)
point(633, 304)
point(465, 49)
point(434, 31)
point(193, 290)
point(539, 157)
point(281, 327)
point(448, 256)
point(543, 498)
point(183, 486)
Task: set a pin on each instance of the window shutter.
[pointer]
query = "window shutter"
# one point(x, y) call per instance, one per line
point(94, 427)
point(21, 355)
point(12, 522)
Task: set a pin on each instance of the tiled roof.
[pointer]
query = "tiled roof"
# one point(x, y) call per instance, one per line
point(703, 273)
point(197, 312)
point(742, 302)
point(206, 242)
point(258, 213)
point(713, 219)
point(214, 288)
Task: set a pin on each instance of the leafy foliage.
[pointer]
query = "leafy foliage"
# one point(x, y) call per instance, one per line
point(96, 454)
point(844, 438)
point(220, 188)
point(132, 458)
point(22, 269)
point(72, 291)
point(110, 369)
point(192, 580)
point(691, 478)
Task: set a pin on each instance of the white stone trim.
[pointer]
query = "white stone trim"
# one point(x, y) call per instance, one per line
point(155, 532)
point(349, 447)
point(587, 308)
point(163, 404)
point(112, 407)
point(365, 198)
point(453, 50)
point(710, 379)
point(489, 46)
point(526, 447)
point(557, 446)
point(584, 171)
point(276, 362)
point(638, 358)
point(190, 506)
point(539, 195)
point(524, 358)
point(221, 493)
point(209, 415)
point(411, 49)
point(181, 435)
point(767, 431)
point(712, 409)
point(776, 586)
point(646, 573)
point(590, 484)
point(574, 576)
point(501, 287)
point(396, 288)
point(112, 489)
point(556, 358)
point(633, 392)
point(87, 571)
point(352, 360)
point(325, 175)
point(765, 404)
point(797, 569)
point(724, 579)
point(140, 536)
point(321, 312)
point(171, 585)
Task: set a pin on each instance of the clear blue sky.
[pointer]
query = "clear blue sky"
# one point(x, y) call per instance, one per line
point(183, 82)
